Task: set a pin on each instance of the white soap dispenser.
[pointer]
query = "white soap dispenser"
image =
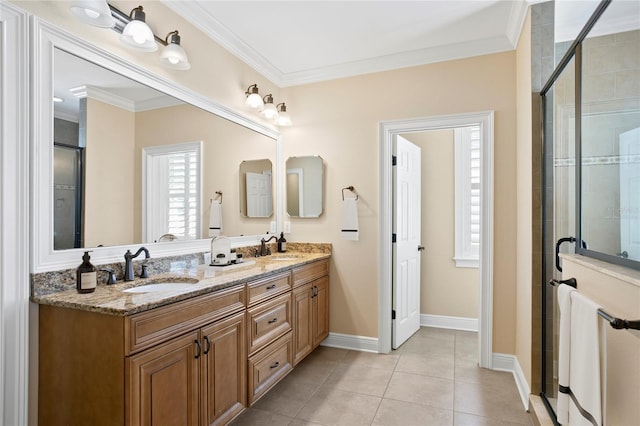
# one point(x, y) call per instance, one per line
point(220, 251)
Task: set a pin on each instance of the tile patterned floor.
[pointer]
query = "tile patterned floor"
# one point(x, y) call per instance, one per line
point(433, 379)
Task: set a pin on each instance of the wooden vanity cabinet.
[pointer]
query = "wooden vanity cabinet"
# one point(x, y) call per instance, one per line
point(199, 361)
point(310, 301)
point(180, 364)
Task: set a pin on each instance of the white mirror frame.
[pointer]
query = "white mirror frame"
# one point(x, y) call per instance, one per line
point(45, 37)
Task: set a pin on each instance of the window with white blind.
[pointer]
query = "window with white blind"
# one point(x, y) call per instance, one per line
point(467, 196)
point(171, 188)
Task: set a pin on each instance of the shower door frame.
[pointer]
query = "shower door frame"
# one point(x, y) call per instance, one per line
point(573, 52)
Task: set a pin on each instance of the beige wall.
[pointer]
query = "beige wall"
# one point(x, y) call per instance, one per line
point(225, 146)
point(339, 120)
point(445, 289)
point(524, 203)
point(620, 298)
point(109, 192)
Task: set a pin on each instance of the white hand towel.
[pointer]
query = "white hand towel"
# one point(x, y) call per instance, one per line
point(564, 351)
point(215, 218)
point(350, 229)
point(585, 374)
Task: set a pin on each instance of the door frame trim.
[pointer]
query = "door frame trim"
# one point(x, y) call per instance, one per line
point(387, 131)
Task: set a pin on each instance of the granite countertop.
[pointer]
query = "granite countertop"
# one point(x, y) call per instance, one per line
point(110, 299)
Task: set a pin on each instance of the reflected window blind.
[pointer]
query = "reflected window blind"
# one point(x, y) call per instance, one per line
point(182, 193)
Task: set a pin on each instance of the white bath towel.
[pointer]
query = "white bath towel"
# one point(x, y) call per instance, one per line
point(215, 218)
point(564, 350)
point(581, 391)
point(350, 229)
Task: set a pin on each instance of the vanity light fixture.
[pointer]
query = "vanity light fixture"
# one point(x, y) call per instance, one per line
point(253, 100)
point(283, 118)
point(137, 34)
point(93, 12)
point(173, 55)
point(269, 111)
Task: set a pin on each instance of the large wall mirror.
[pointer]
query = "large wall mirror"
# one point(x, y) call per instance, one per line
point(123, 157)
point(304, 186)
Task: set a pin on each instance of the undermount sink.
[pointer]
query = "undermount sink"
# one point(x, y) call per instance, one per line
point(169, 285)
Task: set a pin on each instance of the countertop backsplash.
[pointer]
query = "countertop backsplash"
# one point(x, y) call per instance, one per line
point(57, 281)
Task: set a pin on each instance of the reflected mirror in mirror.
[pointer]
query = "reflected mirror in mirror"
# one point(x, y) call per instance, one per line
point(256, 193)
point(610, 145)
point(103, 125)
point(304, 186)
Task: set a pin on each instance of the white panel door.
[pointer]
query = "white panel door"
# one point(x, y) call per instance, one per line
point(630, 193)
point(406, 250)
point(259, 202)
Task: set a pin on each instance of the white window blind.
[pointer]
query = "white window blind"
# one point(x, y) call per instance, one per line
point(182, 194)
point(172, 191)
point(467, 196)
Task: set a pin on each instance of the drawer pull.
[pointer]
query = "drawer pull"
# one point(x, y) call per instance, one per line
point(272, 321)
point(275, 365)
point(271, 287)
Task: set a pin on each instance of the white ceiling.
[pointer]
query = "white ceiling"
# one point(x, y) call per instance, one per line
point(298, 42)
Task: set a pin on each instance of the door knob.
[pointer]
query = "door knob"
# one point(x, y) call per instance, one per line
point(420, 248)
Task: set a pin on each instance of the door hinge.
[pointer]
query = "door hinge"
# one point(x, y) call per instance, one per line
point(393, 238)
point(394, 160)
point(393, 314)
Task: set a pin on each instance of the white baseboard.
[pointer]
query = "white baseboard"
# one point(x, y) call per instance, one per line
point(454, 323)
point(348, 341)
point(506, 362)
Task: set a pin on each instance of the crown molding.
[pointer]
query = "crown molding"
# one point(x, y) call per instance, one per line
point(516, 21)
point(203, 20)
point(122, 102)
point(400, 60)
point(208, 24)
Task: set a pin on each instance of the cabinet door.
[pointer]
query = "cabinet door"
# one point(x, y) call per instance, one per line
point(163, 387)
point(320, 314)
point(224, 369)
point(302, 324)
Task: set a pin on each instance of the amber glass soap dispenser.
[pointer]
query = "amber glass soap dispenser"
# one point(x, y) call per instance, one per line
point(282, 243)
point(86, 276)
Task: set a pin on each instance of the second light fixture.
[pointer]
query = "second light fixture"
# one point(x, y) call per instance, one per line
point(265, 106)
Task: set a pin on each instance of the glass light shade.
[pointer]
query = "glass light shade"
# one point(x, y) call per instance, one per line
point(269, 112)
point(93, 12)
point(284, 119)
point(138, 35)
point(254, 101)
point(174, 56)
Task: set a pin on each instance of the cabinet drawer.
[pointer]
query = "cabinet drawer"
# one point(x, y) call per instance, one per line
point(266, 288)
point(149, 328)
point(268, 320)
point(310, 272)
point(268, 366)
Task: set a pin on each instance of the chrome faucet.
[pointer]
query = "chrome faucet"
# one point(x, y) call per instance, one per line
point(263, 245)
point(128, 264)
